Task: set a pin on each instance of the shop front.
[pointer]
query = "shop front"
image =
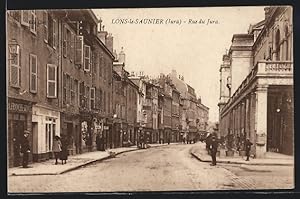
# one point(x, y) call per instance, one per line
point(45, 126)
point(70, 128)
point(19, 119)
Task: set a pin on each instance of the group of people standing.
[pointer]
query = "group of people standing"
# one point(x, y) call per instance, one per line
point(59, 148)
point(212, 146)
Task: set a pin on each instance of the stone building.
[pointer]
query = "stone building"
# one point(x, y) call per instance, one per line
point(54, 59)
point(258, 73)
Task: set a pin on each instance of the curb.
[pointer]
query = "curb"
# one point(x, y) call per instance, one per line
point(84, 164)
point(231, 162)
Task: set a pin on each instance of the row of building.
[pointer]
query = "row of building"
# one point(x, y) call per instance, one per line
point(256, 85)
point(64, 78)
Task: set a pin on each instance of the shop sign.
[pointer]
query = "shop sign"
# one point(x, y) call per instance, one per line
point(18, 107)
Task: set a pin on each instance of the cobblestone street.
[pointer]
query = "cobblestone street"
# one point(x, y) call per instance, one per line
point(166, 168)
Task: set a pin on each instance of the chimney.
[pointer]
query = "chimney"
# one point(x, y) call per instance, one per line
point(102, 34)
point(122, 56)
point(109, 42)
point(115, 55)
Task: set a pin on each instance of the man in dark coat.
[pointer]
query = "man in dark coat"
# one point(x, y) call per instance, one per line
point(248, 148)
point(25, 149)
point(214, 148)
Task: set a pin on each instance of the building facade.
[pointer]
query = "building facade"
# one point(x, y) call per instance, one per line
point(54, 87)
point(261, 106)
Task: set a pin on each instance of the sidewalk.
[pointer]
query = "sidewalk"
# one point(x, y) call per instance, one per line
point(74, 162)
point(199, 152)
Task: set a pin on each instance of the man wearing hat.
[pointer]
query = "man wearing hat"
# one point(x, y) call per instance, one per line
point(248, 148)
point(25, 149)
point(214, 148)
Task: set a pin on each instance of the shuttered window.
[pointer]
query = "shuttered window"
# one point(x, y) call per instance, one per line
point(64, 88)
point(81, 94)
point(92, 98)
point(15, 68)
point(45, 26)
point(55, 33)
point(33, 73)
point(72, 90)
point(64, 32)
point(79, 50)
point(87, 58)
point(33, 21)
point(25, 14)
point(51, 81)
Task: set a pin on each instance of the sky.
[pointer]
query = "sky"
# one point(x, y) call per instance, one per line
point(194, 50)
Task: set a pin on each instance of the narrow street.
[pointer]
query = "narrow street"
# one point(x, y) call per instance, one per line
point(166, 168)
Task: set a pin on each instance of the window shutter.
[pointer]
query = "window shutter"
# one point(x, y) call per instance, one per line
point(15, 69)
point(92, 97)
point(45, 25)
point(33, 21)
point(64, 33)
point(25, 17)
point(87, 58)
point(79, 50)
point(72, 40)
point(33, 73)
point(51, 81)
point(55, 33)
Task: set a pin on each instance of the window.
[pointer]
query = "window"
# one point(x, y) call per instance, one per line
point(92, 98)
point(87, 58)
point(25, 17)
point(277, 45)
point(64, 88)
point(33, 73)
point(104, 101)
point(79, 50)
point(45, 26)
point(33, 22)
point(64, 41)
point(50, 133)
point(71, 51)
point(87, 97)
point(72, 91)
point(286, 31)
point(53, 32)
point(51, 81)
point(76, 91)
point(68, 89)
point(104, 69)
point(81, 94)
point(15, 68)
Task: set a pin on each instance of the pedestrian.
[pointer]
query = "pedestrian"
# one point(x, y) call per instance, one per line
point(64, 150)
point(56, 147)
point(25, 149)
point(248, 148)
point(214, 149)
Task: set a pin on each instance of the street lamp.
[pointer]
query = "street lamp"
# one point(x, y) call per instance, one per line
point(14, 48)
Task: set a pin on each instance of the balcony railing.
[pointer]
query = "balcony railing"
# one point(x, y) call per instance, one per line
point(274, 68)
point(263, 69)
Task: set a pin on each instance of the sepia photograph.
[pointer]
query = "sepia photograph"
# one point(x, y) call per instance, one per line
point(150, 99)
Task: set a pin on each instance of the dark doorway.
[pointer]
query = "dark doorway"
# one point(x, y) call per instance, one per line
point(18, 128)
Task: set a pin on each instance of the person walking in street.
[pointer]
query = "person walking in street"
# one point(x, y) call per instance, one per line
point(64, 150)
point(56, 147)
point(214, 149)
point(25, 149)
point(248, 148)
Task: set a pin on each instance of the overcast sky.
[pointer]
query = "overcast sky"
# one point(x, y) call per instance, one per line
point(193, 50)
